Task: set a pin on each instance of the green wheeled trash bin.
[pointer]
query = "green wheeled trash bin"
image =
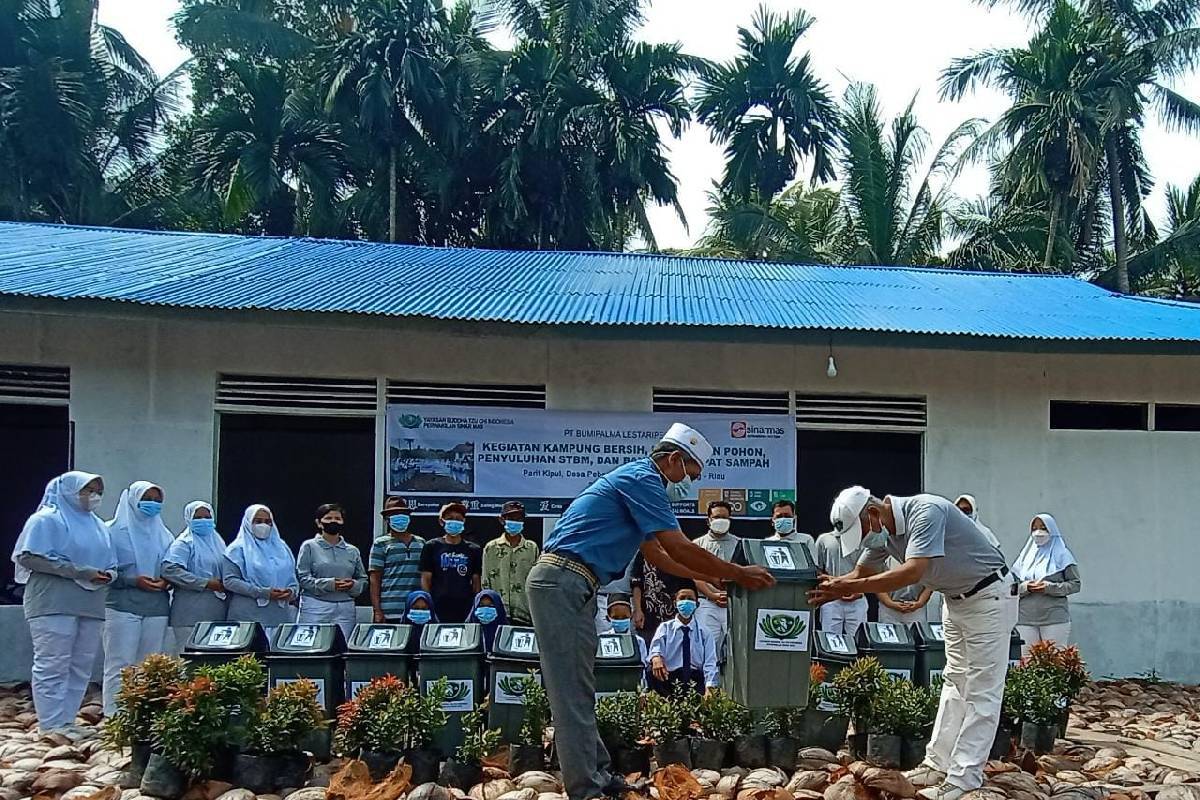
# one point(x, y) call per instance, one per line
point(619, 666)
point(931, 652)
point(835, 652)
point(213, 643)
point(514, 657)
point(892, 644)
point(770, 630)
point(313, 652)
point(454, 651)
point(376, 649)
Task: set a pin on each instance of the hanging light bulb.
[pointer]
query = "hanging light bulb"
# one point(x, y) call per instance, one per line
point(831, 370)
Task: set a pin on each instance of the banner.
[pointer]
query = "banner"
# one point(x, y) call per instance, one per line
point(486, 456)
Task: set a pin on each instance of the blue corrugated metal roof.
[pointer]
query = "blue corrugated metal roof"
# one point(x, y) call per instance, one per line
point(202, 270)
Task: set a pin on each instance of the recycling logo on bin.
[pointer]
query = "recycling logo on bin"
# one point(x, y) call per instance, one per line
point(510, 686)
point(782, 629)
point(460, 695)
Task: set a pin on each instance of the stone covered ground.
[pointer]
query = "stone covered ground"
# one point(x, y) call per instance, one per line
point(1129, 740)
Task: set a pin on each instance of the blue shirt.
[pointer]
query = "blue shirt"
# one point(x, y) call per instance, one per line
point(668, 643)
point(605, 526)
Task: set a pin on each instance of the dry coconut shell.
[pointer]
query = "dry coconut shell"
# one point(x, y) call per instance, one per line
point(491, 790)
point(765, 778)
point(728, 785)
point(847, 788)
point(814, 779)
point(675, 782)
point(708, 778)
point(890, 781)
point(429, 791)
point(551, 796)
point(984, 794)
point(520, 794)
point(541, 782)
point(806, 794)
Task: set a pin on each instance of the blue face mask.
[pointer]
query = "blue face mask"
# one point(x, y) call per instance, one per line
point(620, 625)
point(875, 541)
point(679, 491)
point(203, 527)
point(419, 616)
point(399, 522)
point(151, 508)
point(685, 607)
point(486, 614)
point(783, 525)
point(455, 527)
point(513, 527)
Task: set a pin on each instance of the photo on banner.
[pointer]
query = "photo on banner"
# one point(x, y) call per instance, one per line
point(486, 456)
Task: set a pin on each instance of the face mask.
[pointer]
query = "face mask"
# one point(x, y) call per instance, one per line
point(1041, 538)
point(399, 522)
point(455, 527)
point(875, 541)
point(678, 492)
point(620, 625)
point(719, 526)
point(332, 528)
point(93, 501)
point(151, 508)
point(419, 616)
point(783, 525)
point(202, 527)
point(486, 614)
point(513, 527)
point(261, 530)
point(685, 607)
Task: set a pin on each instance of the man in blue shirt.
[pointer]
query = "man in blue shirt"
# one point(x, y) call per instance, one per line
point(627, 510)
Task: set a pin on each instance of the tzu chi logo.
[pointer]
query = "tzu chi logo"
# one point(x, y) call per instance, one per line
point(738, 430)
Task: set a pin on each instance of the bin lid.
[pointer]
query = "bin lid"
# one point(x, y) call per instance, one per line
point(787, 561)
point(874, 636)
point(451, 638)
point(378, 637)
point(516, 643)
point(835, 645)
point(227, 637)
point(617, 649)
point(929, 635)
point(307, 639)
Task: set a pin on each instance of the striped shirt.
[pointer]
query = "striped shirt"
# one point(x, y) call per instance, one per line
point(400, 565)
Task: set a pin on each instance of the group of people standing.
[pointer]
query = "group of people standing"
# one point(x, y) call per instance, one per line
point(136, 588)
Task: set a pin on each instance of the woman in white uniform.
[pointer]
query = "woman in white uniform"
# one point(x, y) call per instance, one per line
point(259, 573)
point(139, 603)
point(193, 567)
point(331, 572)
point(65, 558)
point(905, 605)
point(1048, 574)
point(966, 504)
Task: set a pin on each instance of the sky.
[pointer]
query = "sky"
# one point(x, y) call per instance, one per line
point(901, 47)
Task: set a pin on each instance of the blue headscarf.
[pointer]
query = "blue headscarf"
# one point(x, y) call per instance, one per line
point(420, 594)
point(489, 630)
point(63, 530)
point(199, 554)
point(264, 562)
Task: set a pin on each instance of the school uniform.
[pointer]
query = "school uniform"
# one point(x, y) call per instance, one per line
point(192, 560)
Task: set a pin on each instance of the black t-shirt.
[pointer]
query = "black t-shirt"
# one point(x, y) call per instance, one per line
point(452, 566)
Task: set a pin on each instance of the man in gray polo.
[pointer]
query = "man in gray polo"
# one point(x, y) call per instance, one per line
point(939, 547)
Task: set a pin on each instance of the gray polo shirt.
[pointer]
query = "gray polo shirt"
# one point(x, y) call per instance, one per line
point(720, 546)
point(928, 526)
point(1051, 606)
point(321, 563)
point(829, 558)
point(52, 589)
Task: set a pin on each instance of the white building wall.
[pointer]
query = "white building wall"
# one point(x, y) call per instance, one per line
point(143, 386)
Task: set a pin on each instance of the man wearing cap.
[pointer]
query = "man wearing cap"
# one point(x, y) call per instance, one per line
point(507, 560)
point(627, 510)
point(450, 566)
point(394, 566)
point(939, 547)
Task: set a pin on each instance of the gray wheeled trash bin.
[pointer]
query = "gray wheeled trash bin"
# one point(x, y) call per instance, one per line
point(213, 643)
point(619, 666)
point(454, 651)
point(514, 657)
point(891, 643)
point(931, 652)
point(312, 652)
point(376, 649)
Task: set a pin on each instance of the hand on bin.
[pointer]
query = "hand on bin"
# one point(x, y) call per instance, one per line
point(754, 578)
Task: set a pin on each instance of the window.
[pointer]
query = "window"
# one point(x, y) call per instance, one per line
point(474, 394)
point(712, 401)
point(1176, 417)
point(859, 412)
point(1073, 415)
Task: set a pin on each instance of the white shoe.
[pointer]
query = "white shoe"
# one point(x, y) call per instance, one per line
point(925, 775)
point(947, 791)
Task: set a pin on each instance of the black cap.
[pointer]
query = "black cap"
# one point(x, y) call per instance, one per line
point(512, 507)
point(393, 504)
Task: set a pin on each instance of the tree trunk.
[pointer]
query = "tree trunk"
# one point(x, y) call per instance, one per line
point(392, 232)
point(1051, 234)
point(1117, 201)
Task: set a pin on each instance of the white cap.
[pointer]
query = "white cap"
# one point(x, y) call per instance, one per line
point(844, 515)
point(691, 441)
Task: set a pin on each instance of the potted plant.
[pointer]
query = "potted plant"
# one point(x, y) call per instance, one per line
point(1067, 666)
point(1038, 697)
point(854, 691)
point(664, 725)
point(779, 725)
point(466, 768)
point(619, 719)
point(240, 685)
point(921, 707)
point(887, 722)
point(821, 724)
point(188, 735)
point(527, 753)
point(145, 690)
point(719, 721)
point(388, 720)
point(273, 758)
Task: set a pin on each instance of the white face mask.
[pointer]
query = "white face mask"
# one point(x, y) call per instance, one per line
point(1041, 538)
point(261, 530)
point(719, 526)
point(93, 501)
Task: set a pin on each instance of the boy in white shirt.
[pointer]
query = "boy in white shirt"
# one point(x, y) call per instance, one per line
point(682, 651)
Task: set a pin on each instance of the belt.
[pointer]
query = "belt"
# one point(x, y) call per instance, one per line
point(572, 564)
point(998, 575)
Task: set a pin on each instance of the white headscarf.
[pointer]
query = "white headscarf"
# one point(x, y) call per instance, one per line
point(1036, 562)
point(264, 562)
point(63, 530)
point(198, 554)
point(974, 517)
point(140, 540)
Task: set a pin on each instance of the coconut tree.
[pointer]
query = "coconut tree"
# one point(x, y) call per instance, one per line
point(1169, 265)
point(769, 108)
point(800, 225)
